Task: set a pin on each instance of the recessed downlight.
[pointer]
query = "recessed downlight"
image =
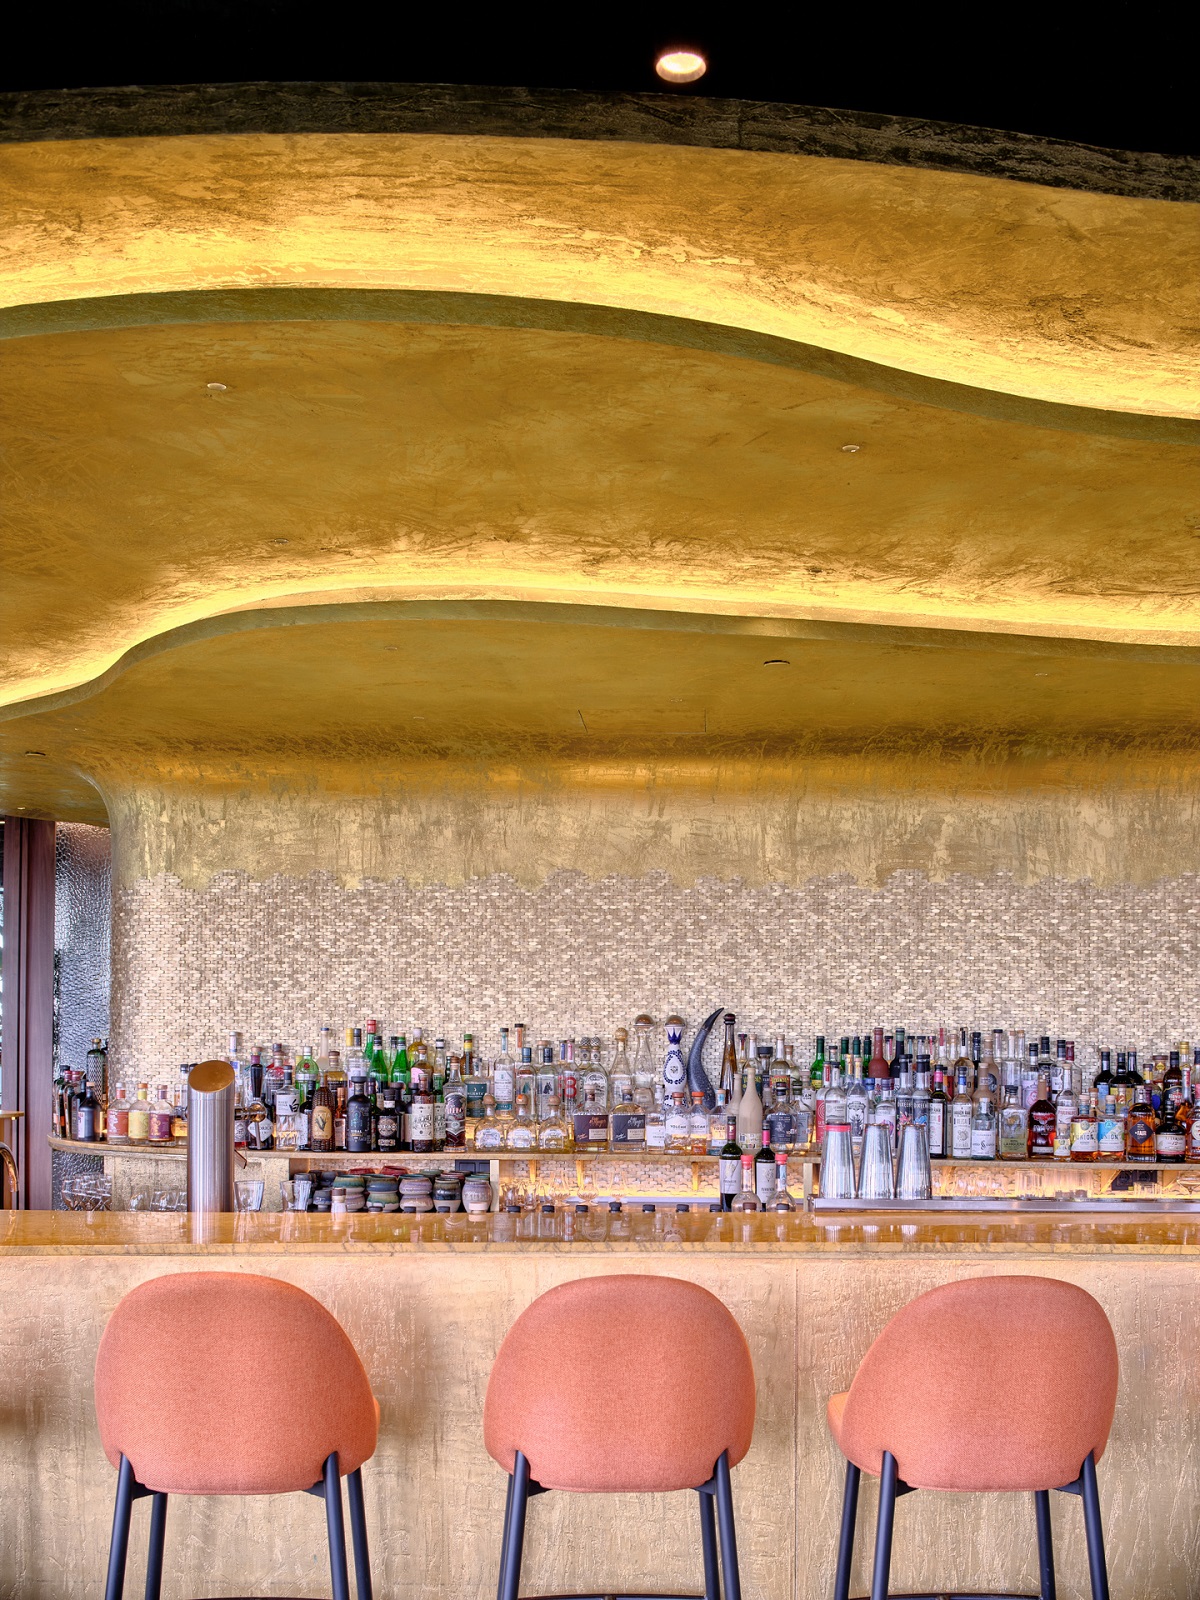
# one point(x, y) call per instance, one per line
point(40, 753)
point(777, 661)
point(216, 388)
point(851, 449)
point(680, 66)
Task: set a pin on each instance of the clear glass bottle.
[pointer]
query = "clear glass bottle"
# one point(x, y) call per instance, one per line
point(678, 1127)
point(159, 1131)
point(1084, 1141)
point(554, 1131)
point(454, 1101)
point(716, 1125)
point(884, 1112)
point(620, 1073)
point(117, 1118)
point(858, 1102)
point(746, 1198)
point(593, 1080)
point(521, 1133)
point(779, 1120)
point(781, 1200)
point(698, 1125)
point(489, 1134)
point(504, 1075)
point(728, 1057)
point(983, 1123)
point(1014, 1118)
point(1066, 1104)
point(642, 1066)
point(627, 1121)
point(590, 1123)
point(139, 1117)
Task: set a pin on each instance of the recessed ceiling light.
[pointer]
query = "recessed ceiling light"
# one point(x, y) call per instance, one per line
point(777, 661)
point(281, 541)
point(391, 647)
point(851, 449)
point(216, 388)
point(41, 753)
point(680, 66)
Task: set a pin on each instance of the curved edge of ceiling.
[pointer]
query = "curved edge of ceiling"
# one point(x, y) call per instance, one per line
point(462, 308)
point(173, 110)
point(558, 613)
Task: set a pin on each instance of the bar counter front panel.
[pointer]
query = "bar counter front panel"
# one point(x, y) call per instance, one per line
point(427, 1303)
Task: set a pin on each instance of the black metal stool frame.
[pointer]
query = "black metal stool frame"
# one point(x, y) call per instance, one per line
point(892, 1486)
point(716, 1492)
point(328, 1487)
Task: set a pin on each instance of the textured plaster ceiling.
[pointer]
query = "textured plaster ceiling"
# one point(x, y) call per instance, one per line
point(603, 376)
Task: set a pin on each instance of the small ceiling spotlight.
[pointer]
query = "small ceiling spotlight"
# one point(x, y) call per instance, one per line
point(216, 388)
point(680, 66)
point(777, 661)
point(281, 541)
point(851, 449)
point(39, 753)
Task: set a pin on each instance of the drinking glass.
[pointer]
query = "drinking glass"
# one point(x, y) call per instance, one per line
point(248, 1194)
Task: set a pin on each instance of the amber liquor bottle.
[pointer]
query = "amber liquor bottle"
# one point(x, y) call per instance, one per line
point(1140, 1128)
point(1042, 1119)
point(321, 1138)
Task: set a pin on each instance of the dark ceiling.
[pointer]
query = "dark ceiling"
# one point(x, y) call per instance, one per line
point(1120, 76)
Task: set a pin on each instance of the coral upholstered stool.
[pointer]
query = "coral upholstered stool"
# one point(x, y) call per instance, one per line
point(944, 1433)
point(189, 1324)
point(549, 1430)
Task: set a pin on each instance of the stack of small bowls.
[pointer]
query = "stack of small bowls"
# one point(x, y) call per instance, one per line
point(383, 1194)
point(416, 1192)
point(349, 1193)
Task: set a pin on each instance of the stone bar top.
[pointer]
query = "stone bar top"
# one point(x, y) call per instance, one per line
point(891, 1233)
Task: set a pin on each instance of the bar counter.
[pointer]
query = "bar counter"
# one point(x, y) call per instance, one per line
point(427, 1302)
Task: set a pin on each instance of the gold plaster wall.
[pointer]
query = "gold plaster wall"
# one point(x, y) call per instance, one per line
point(428, 1328)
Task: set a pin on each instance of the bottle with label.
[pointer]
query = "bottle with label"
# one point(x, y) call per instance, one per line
point(489, 1135)
point(259, 1132)
point(421, 1121)
point(858, 1103)
point(750, 1106)
point(1013, 1138)
point(781, 1200)
point(554, 1131)
point(961, 1108)
point(401, 1067)
point(884, 1113)
point(358, 1112)
point(117, 1118)
point(698, 1125)
point(656, 1124)
point(780, 1118)
point(591, 1123)
point(717, 1119)
point(816, 1073)
point(521, 1133)
point(321, 1119)
point(939, 1117)
point(678, 1127)
point(179, 1126)
point(1066, 1104)
point(730, 1169)
point(139, 1117)
point(1170, 1142)
point(746, 1198)
point(475, 1087)
point(1110, 1131)
point(620, 1074)
point(387, 1120)
point(1084, 1143)
point(1191, 1151)
point(86, 1115)
point(674, 1073)
point(728, 1057)
point(593, 1081)
point(1042, 1120)
point(1122, 1086)
point(454, 1100)
point(983, 1123)
point(877, 1066)
point(764, 1171)
point(159, 1121)
point(1140, 1127)
point(627, 1123)
point(504, 1076)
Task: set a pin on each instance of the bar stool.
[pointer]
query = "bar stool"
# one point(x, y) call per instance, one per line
point(202, 1443)
point(943, 1433)
point(549, 1430)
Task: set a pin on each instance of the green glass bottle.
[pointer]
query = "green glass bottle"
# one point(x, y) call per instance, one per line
point(816, 1073)
point(400, 1068)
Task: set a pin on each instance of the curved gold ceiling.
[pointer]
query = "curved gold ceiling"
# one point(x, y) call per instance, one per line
point(519, 371)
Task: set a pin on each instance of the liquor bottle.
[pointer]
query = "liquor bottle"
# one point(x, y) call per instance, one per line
point(521, 1133)
point(387, 1121)
point(1084, 1144)
point(306, 1078)
point(779, 1121)
point(717, 1119)
point(179, 1120)
point(781, 1200)
point(475, 1087)
point(1170, 1142)
point(728, 1057)
point(627, 1123)
point(321, 1119)
point(158, 1129)
point(960, 1116)
point(1042, 1120)
point(884, 1113)
point(504, 1076)
point(117, 1118)
point(698, 1125)
point(1014, 1118)
point(358, 1112)
point(921, 1093)
point(1058, 1071)
point(746, 1198)
point(750, 1107)
point(764, 1171)
point(678, 1127)
point(620, 1074)
point(1172, 1086)
point(96, 1072)
point(554, 1131)
point(900, 1054)
point(939, 1116)
point(421, 1121)
point(419, 1065)
point(1110, 1131)
point(1122, 1086)
point(526, 1075)
point(86, 1119)
point(401, 1066)
point(591, 1124)
point(983, 1123)
point(454, 1097)
point(259, 1133)
point(877, 1066)
point(1066, 1104)
point(656, 1124)
point(438, 1094)
point(1140, 1129)
point(644, 1075)
point(835, 1099)
point(674, 1073)
point(489, 1135)
point(729, 1171)
point(139, 1117)
point(1191, 1150)
point(1029, 1077)
point(816, 1073)
point(1104, 1077)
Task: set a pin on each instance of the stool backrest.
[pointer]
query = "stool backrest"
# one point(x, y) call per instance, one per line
point(621, 1383)
point(258, 1383)
point(986, 1384)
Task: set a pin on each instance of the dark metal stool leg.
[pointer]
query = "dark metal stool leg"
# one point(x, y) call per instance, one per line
point(514, 1533)
point(1097, 1565)
point(708, 1538)
point(508, 1500)
point(1041, 1501)
point(845, 1560)
point(158, 1539)
point(358, 1536)
point(728, 1533)
point(119, 1547)
point(883, 1528)
point(336, 1528)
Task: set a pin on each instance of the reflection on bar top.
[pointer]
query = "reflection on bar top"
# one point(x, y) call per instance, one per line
point(769, 1235)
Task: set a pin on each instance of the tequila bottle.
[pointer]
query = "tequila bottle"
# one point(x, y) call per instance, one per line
point(780, 1119)
point(504, 1075)
point(678, 1127)
point(698, 1125)
point(522, 1130)
point(627, 1124)
point(746, 1198)
point(489, 1135)
point(674, 1073)
point(591, 1124)
point(983, 1124)
point(716, 1125)
point(620, 1074)
point(454, 1096)
point(728, 1057)
point(568, 1078)
point(644, 1076)
point(593, 1081)
point(656, 1124)
point(554, 1131)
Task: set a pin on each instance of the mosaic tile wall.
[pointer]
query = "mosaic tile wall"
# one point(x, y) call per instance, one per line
point(278, 958)
point(82, 921)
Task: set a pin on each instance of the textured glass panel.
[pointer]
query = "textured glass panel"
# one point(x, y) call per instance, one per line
point(82, 924)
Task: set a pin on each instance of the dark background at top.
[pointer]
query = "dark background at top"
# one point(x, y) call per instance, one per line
point(1122, 75)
